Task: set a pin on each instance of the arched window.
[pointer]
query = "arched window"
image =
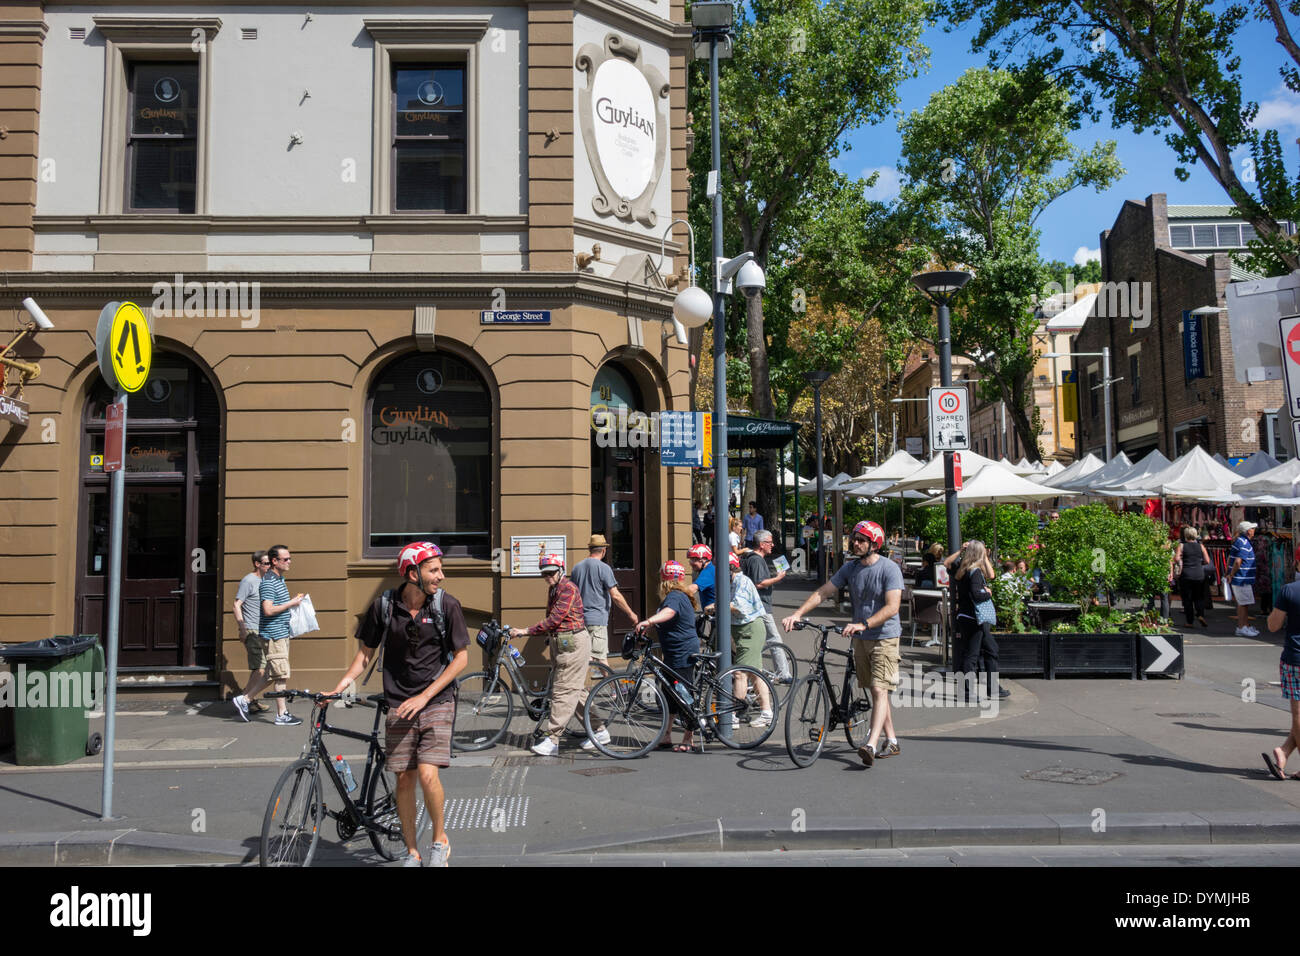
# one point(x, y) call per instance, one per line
point(429, 457)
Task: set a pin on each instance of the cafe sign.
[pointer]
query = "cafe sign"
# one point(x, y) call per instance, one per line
point(13, 410)
point(623, 115)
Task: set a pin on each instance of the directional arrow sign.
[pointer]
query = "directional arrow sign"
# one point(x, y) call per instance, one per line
point(1168, 653)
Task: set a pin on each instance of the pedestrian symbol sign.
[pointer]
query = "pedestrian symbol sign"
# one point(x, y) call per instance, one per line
point(949, 418)
point(130, 347)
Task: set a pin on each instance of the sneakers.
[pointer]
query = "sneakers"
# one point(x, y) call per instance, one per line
point(932, 643)
point(286, 720)
point(546, 747)
point(868, 754)
point(764, 719)
point(599, 737)
point(1246, 631)
point(887, 748)
point(257, 707)
point(440, 855)
point(241, 707)
point(412, 859)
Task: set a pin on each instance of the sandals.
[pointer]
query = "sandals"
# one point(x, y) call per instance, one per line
point(1273, 768)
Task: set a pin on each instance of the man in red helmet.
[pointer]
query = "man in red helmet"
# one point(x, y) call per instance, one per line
point(426, 645)
point(876, 588)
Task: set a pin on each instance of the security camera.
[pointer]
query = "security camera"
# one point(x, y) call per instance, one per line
point(40, 318)
point(751, 280)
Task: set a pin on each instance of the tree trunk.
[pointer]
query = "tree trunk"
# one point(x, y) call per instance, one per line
point(1015, 401)
point(768, 491)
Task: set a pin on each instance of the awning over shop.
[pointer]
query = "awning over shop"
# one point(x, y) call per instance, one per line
point(744, 432)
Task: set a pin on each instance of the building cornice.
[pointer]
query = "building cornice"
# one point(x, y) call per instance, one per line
point(454, 289)
point(160, 29)
point(632, 240)
point(428, 29)
point(187, 224)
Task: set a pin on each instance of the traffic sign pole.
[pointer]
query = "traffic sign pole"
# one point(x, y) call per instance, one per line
point(116, 506)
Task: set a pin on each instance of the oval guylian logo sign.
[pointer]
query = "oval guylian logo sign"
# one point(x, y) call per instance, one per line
point(625, 126)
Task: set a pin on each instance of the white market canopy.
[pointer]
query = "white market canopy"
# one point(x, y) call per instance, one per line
point(996, 483)
point(1082, 467)
point(809, 487)
point(898, 465)
point(1131, 482)
point(1115, 468)
point(929, 476)
point(1195, 476)
point(1282, 482)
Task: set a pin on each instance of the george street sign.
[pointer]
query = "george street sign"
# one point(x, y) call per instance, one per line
point(516, 317)
point(949, 418)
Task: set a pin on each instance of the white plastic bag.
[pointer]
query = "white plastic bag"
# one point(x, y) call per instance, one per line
point(302, 618)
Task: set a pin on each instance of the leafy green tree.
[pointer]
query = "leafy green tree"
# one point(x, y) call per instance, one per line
point(803, 74)
point(981, 164)
point(1143, 547)
point(1017, 529)
point(1165, 66)
point(1058, 271)
point(1077, 553)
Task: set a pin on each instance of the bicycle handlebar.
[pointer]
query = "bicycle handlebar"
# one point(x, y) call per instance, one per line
point(824, 628)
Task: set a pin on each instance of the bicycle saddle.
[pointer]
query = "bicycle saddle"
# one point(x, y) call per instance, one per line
point(696, 658)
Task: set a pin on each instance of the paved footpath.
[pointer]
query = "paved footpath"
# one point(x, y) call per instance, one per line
point(1068, 772)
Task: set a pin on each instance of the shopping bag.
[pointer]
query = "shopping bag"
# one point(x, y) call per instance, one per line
point(302, 618)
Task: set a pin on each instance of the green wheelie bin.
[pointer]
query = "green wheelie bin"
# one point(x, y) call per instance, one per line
point(54, 684)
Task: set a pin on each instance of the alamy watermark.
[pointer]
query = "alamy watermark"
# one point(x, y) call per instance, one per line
point(922, 688)
point(621, 428)
point(43, 688)
point(208, 300)
point(1115, 300)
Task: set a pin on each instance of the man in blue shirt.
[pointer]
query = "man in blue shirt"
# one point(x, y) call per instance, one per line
point(753, 523)
point(1242, 557)
point(274, 627)
point(701, 558)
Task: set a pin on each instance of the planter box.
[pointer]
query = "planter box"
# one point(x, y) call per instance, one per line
point(1092, 654)
point(1022, 655)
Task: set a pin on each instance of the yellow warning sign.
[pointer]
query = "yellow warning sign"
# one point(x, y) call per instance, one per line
point(131, 347)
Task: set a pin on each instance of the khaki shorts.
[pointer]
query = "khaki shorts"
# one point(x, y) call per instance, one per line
point(256, 648)
point(599, 640)
point(876, 662)
point(277, 659)
point(426, 738)
point(747, 644)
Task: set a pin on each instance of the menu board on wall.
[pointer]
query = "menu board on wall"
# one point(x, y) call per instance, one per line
point(526, 552)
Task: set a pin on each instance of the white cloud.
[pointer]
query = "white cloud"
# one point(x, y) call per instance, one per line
point(887, 183)
point(1084, 255)
point(1280, 112)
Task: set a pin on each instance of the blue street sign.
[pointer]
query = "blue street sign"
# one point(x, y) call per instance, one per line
point(517, 317)
point(1193, 347)
point(681, 439)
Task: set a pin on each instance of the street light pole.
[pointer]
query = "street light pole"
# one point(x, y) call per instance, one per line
point(817, 379)
point(722, 476)
point(940, 288)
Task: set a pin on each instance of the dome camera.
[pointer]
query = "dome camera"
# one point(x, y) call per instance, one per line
point(751, 279)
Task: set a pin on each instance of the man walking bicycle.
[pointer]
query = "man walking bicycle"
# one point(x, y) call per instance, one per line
point(876, 587)
point(426, 646)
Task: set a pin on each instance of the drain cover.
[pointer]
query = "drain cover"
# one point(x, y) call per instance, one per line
point(1187, 715)
point(1073, 775)
point(602, 771)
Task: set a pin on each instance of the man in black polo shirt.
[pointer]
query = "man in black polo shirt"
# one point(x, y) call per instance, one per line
point(425, 647)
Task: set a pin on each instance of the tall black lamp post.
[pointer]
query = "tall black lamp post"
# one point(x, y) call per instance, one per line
point(941, 288)
point(817, 379)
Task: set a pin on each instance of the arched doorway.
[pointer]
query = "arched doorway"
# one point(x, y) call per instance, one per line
point(617, 493)
point(170, 557)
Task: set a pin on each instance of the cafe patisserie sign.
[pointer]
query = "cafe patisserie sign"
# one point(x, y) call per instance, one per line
point(623, 126)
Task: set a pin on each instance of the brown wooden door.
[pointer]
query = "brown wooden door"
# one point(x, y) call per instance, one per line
point(617, 513)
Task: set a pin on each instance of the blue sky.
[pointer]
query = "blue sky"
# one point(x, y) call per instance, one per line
point(1071, 226)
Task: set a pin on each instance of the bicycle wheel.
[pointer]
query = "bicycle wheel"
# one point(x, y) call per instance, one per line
point(484, 706)
point(634, 725)
point(739, 721)
point(597, 671)
point(777, 660)
point(806, 719)
point(381, 807)
point(857, 726)
point(294, 815)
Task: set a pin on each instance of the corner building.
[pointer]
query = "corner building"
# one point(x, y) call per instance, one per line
point(323, 206)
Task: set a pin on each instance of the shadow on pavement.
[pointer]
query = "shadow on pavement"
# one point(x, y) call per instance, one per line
point(57, 803)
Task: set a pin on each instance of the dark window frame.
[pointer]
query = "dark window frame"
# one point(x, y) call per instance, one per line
point(131, 137)
point(397, 140)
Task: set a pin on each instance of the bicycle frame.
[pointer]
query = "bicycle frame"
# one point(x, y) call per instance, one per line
point(321, 726)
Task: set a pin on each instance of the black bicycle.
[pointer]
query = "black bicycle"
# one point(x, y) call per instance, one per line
point(813, 712)
point(779, 664)
point(485, 700)
point(296, 811)
point(635, 711)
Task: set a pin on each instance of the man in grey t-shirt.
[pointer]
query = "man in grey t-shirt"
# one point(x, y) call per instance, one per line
point(876, 587)
point(248, 612)
point(599, 590)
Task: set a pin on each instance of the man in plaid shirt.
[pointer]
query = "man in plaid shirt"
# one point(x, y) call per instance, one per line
point(571, 648)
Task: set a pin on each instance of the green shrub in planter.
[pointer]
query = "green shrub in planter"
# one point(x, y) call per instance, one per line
point(1143, 552)
point(1077, 553)
point(1016, 529)
point(1010, 595)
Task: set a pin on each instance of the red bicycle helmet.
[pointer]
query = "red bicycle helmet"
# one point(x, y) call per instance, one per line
point(415, 554)
point(733, 562)
point(871, 531)
point(551, 562)
point(672, 571)
point(701, 551)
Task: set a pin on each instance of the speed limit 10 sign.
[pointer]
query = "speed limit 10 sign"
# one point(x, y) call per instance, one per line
point(949, 418)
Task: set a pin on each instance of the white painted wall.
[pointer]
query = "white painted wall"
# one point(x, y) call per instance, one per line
point(255, 106)
point(587, 30)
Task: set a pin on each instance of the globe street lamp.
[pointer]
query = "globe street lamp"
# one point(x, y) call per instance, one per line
point(940, 288)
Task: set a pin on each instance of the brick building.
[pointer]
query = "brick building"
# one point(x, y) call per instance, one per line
point(1178, 386)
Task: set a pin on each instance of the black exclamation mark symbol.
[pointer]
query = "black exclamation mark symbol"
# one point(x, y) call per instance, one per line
point(135, 342)
point(121, 343)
